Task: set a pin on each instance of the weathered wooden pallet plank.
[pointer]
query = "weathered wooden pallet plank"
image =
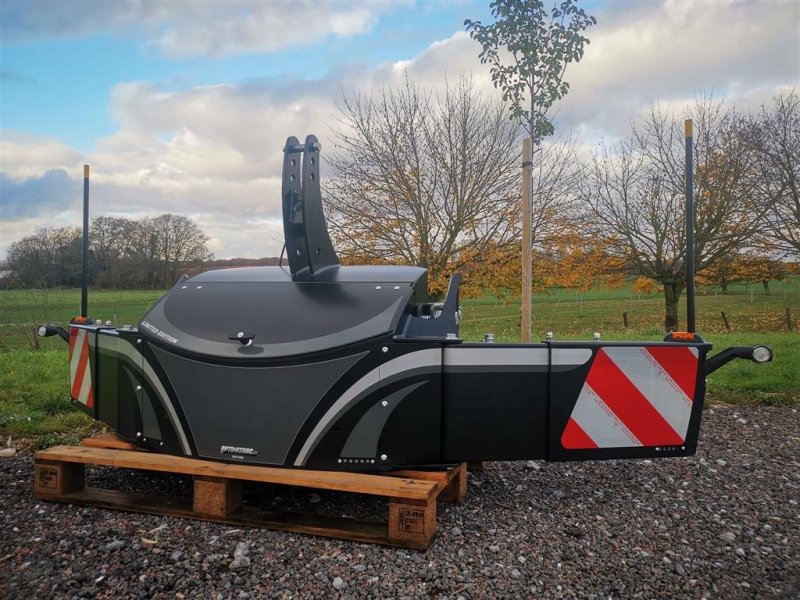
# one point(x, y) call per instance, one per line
point(376, 485)
point(217, 494)
point(109, 440)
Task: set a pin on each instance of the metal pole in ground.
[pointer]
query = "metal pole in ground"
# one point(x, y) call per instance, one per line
point(85, 252)
point(690, 311)
point(527, 225)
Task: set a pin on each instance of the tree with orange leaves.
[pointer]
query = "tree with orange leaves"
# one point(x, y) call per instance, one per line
point(636, 197)
point(424, 179)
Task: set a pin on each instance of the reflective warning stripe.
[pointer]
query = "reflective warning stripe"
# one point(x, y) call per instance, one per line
point(634, 396)
point(80, 371)
point(649, 377)
point(599, 423)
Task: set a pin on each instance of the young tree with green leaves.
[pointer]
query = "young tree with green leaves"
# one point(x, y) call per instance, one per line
point(528, 48)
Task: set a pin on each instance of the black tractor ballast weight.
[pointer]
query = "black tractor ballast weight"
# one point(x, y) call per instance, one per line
point(353, 368)
point(308, 244)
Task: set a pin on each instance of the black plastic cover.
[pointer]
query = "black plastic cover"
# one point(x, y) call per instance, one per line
point(287, 318)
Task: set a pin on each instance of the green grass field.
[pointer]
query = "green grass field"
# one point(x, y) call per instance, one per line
point(34, 385)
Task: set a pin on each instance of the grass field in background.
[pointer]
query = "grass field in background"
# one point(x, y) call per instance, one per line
point(35, 409)
point(34, 385)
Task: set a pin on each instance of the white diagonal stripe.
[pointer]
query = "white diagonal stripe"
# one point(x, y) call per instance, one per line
point(599, 423)
point(86, 384)
point(655, 384)
point(76, 355)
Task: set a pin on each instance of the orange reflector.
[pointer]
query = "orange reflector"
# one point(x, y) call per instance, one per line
point(682, 335)
point(80, 320)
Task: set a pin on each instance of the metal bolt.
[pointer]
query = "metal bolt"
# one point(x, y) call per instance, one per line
point(384, 403)
point(139, 341)
point(384, 457)
point(385, 349)
point(160, 443)
point(488, 338)
point(144, 439)
point(138, 388)
point(138, 434)
point(377, 287)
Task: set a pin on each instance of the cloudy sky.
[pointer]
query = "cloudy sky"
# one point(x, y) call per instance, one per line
point(184, 106)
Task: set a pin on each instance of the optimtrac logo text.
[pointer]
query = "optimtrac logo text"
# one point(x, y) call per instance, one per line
point(238, 450)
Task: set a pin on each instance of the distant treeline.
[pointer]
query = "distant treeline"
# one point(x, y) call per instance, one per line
point(124, 253)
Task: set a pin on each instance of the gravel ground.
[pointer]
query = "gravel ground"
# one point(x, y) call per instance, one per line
point(722, 524)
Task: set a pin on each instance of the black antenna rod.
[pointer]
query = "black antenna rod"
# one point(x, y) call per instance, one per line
point(85, 252)
point(690, 312)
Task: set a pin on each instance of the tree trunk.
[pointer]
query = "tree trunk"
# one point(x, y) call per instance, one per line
point(672, 293)
point(724, 287)
point(765, 283)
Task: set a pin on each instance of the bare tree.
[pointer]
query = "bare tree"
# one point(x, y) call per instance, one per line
point(109, 239)
point(49, 257)
point(775, 133)
point(423, 178)
point(635, 195)
point(179, 244)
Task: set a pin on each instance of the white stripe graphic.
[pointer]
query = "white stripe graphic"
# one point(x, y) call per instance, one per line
point(655, 384)
point(469, 357)
point(570, 356)
point(390, 369)
point(126, 348)
point(599, 423)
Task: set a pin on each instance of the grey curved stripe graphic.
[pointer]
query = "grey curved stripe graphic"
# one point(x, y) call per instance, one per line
point(570, 356)
point(495, 357)
point(125, 348)
point(363, 440)
point(413, 363)
point(513, 360)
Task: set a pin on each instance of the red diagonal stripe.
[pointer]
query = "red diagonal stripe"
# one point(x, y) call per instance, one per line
point(575, 438)
point(83, 369)
point(680, 364)
point(629, 405)
point(73, 335)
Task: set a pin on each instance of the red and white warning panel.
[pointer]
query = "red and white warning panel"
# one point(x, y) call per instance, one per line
point(634, 397)
point(80, 367)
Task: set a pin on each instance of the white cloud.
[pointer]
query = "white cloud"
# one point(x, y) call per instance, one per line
point(214, 152)
point(186, 29)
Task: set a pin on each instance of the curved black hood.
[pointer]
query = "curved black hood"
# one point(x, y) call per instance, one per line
point(342, 306)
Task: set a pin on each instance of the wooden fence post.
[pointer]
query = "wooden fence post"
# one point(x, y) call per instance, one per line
point(725, 320)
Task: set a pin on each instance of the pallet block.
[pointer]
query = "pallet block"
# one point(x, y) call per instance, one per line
point(217, 493)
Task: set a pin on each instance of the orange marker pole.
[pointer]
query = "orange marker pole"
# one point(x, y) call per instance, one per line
point(85, 253)
point(690, 312)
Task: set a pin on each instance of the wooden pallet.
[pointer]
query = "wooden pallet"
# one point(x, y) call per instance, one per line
point(217, 494)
